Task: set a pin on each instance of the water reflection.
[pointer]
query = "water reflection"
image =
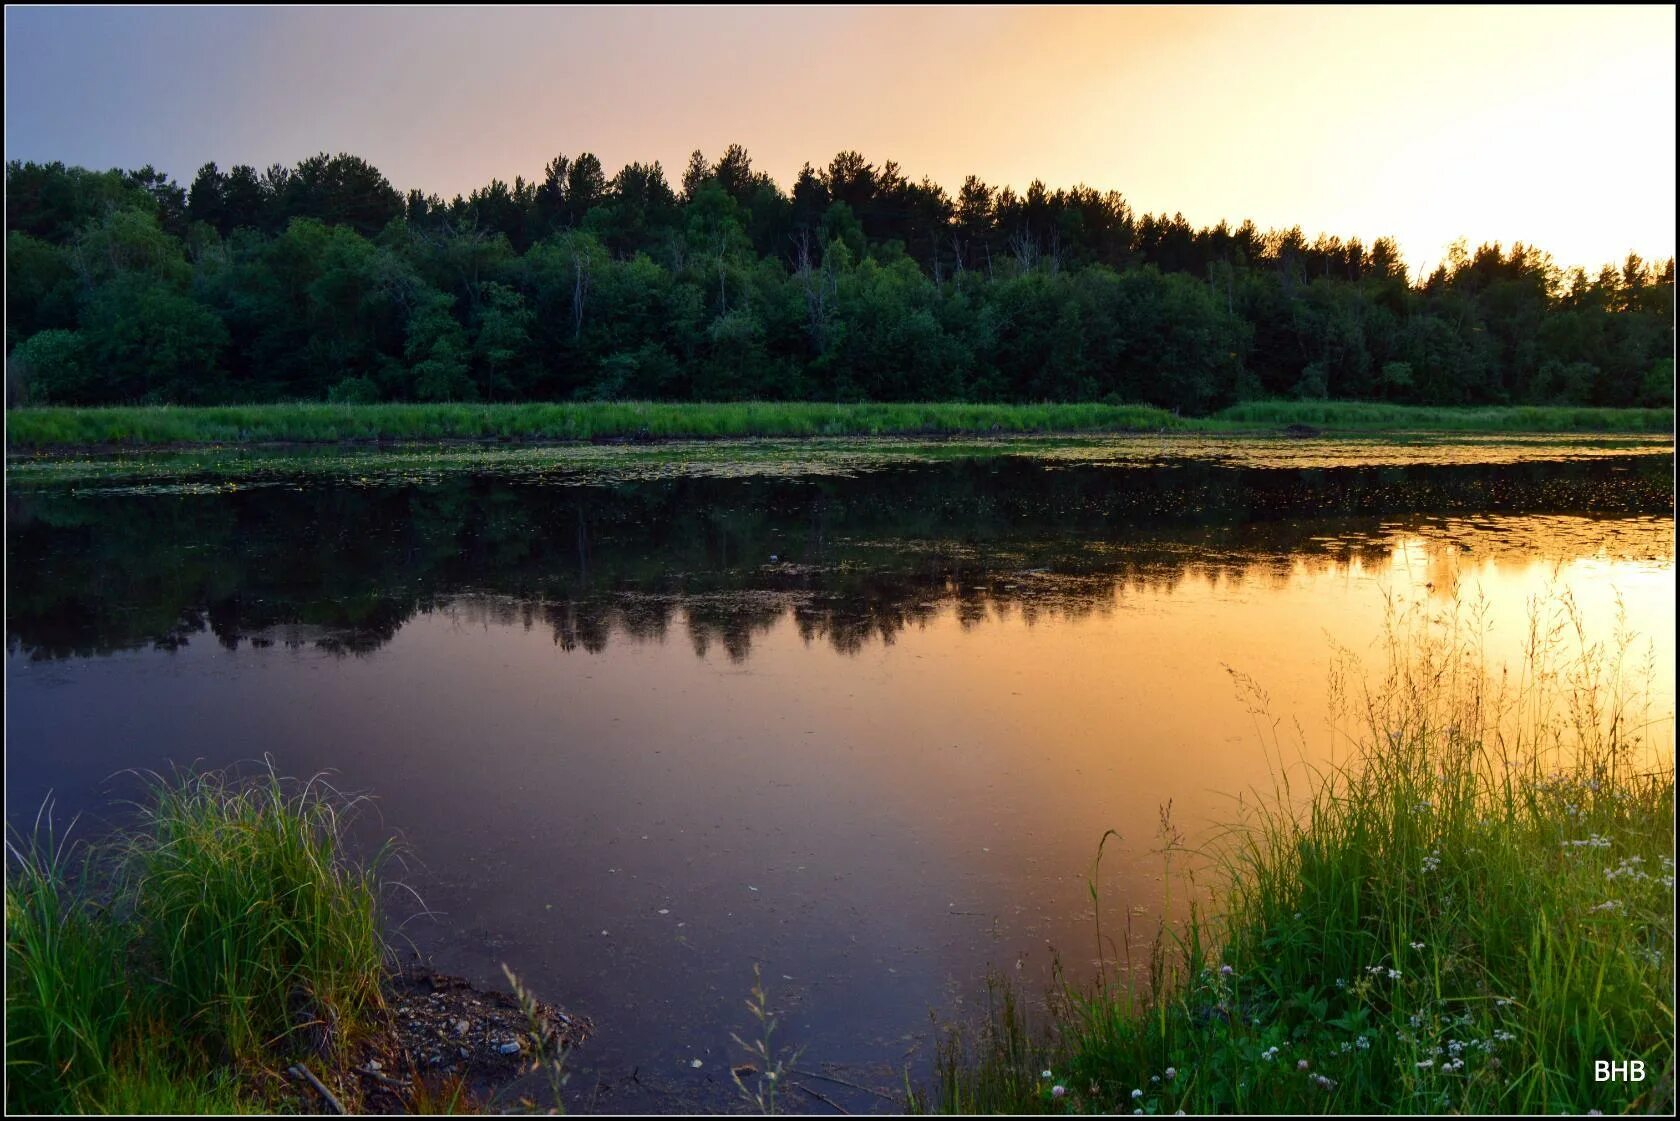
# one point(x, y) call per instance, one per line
point(852, 560)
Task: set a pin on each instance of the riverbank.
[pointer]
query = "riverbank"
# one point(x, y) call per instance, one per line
point(36, 429)
point(224, 955)
point(1465, 917)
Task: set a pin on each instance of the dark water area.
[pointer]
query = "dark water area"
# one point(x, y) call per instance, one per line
point(865, 727)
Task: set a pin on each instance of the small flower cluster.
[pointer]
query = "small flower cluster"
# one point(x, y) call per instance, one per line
point(1432, 862)
point(1632, 868)
point(1628, 868)
point(1379, 970)
point(1269, 1053)
point(1593, 841)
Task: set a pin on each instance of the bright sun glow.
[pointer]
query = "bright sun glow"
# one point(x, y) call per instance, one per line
point(1553, 126)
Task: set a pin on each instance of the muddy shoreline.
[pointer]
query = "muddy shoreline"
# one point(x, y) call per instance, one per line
point(442, 1041)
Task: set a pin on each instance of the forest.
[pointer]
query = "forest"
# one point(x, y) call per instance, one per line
point(324, 282)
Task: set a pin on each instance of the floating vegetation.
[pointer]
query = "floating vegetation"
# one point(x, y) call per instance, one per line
point(596, 465)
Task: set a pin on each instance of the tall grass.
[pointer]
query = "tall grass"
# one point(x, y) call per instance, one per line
point(223, 933)
point(1372, 416)
point(1464, 914)
point(592, 420)
point(257, 926)
point(606, 420)
point(67, 1002)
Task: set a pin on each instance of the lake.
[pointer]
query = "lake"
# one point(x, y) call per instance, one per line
point(857, 712)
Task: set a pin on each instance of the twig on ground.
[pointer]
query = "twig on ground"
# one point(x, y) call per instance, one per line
point(299, 1071)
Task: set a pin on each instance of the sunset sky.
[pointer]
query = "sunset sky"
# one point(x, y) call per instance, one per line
point(1548, 125)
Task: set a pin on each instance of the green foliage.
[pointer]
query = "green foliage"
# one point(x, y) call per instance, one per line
point(436, 348)
point(856, 285)
point(53, 366)
point(354, 391)
point(250, 912)
point(52, 202)
point(66, 997)
point(150, 343)
point(1461, 919)
point(593, 420)
point(1357, 416)
point(225, 926)
point(608, 418)
point(1657, 388)
point(1396, 377)
point(41, 287)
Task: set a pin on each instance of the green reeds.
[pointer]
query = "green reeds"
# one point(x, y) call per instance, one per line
point(1464, 914)
point(140, 426)
point(220, 934)
point(592, 420)
point(258, 926)
point(67, 1001)
point(1372, 416)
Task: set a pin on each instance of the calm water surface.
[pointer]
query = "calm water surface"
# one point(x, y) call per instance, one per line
point(861, 721)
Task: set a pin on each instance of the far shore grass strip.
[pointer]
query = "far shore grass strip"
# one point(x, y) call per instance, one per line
point(323, 423)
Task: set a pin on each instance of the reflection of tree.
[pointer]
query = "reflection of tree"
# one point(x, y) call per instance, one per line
point(852, 560)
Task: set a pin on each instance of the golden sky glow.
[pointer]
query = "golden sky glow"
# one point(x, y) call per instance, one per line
point(1549, 125)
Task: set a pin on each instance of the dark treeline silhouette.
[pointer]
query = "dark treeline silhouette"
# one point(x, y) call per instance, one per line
point(853, 559)
point(323, 281)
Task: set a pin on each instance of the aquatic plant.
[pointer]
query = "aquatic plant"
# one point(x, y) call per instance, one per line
point(770, 1064)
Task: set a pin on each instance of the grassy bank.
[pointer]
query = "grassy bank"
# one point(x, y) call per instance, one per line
point(183, 965)
point(1364, 416)
point(598, 420)
point(1463, 917)
point(604, 420)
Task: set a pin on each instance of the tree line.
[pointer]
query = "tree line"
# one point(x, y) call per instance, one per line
point(322, 281)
